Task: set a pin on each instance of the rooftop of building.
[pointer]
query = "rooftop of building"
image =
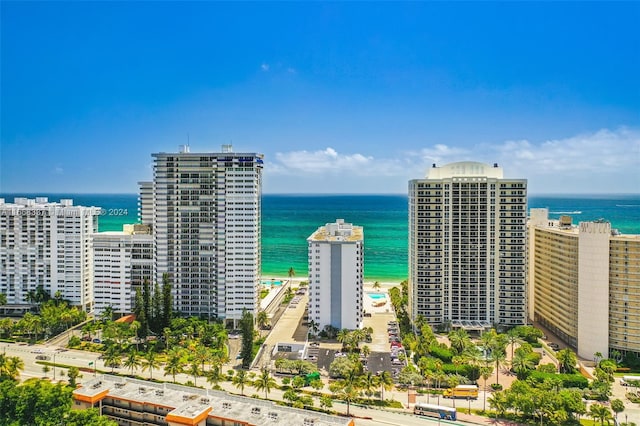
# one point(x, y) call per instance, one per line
point(338, 231)
point(191, 403)
point(37, 202)
point(132, 229)
point(539, 217)
point(465, 169)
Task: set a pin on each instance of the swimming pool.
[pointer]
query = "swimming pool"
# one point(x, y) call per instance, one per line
point(377, 296)
point(271, 282)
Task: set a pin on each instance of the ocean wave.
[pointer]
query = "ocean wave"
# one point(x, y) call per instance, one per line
point(573, 212)
point(627, 205)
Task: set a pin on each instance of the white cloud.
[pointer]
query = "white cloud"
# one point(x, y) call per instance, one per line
point(264, 67)
point(605, 160)
point(58, 170)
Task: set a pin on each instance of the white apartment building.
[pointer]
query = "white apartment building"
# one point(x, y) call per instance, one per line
point(207, 229)
point(467, 240)
point(336, 275)
point(585, 284)
point(122, 261)
point(47, 244)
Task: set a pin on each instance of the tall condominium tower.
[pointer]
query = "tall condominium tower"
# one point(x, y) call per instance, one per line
point(206, 210)
point(467, 240)
point(122, 262)
point(336, 270)
point(585, 284)
point(47, 245)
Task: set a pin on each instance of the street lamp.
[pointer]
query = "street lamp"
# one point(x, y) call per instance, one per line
point(54, 366)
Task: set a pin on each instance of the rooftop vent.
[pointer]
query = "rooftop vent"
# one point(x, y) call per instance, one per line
point(309, 422)
point(96, 385)
point(226, 405)
point(273, 416)
point(142, 389)
point(119, 385)
point(159, 392)
point(255, 411)
point(205, 400)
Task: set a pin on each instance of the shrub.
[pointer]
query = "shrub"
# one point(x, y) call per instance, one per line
point(443, 353)
point(496, 386)
point(568, 380)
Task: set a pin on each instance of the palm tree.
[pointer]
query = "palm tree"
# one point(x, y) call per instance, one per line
point(376, 286)
point(453, 382)
point(368, 382)
point(521, 364)
point(194, 370)
point(262, 318)
point(174, 364)
point(386, 382)
point(240, 380)
point(10, 367)
point(512, 338)
point(343, 336)
point(264, 382)
point(134, 327)
point(485, 372)
point(566, 360)
point(459, 340)
point(201, 355)
point(214, 376)
point(150, 362)
point(292, 272)
point(112, 358)
point(133, 360)
point(499, 358)
point(600, 412)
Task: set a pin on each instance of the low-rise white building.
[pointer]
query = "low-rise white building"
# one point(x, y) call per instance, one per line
point(336, 275)
point(123, 260)
point(48, 245)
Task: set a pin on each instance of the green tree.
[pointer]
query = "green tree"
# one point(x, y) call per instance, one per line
point(567, 360)
point(485, 372)
point(291, 273)
point(600, 412)
point(167, 302)
point(73, 373)
point(617, 405)
point(262, 319)
point(325, 401)
point(247, 331)
point(88, 417)
point(386, 383)
point(150, 362)
point(241, 379)
point(174, 364)
point(132, 361)
point(459, 340)
point(264, 382)
point(194, 371)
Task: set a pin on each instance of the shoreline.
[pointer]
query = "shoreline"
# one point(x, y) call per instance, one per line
point(384, 284)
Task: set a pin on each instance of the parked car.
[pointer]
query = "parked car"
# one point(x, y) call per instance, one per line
point(43, 357)
point(97, 341)
point(554, 346)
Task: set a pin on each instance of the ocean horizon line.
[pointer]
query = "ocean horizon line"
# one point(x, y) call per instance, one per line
point(351, 194)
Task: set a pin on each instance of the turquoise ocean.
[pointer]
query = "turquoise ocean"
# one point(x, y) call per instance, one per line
point(287, 221)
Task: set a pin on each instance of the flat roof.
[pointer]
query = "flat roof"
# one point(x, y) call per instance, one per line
point(191, 403)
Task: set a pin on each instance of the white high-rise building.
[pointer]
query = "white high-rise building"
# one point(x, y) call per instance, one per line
point(48, 245)
point(207, 229)
point(467, 240)
point(122, 261)
point(336, 275)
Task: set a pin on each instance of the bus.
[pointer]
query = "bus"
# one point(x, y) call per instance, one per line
point(461, 391)
point(445, 413)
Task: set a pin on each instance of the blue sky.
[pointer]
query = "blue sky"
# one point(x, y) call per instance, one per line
point(340, 97)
